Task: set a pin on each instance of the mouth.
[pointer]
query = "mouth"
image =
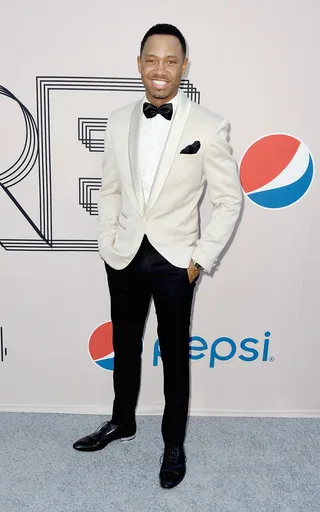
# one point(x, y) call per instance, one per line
point(159, 84)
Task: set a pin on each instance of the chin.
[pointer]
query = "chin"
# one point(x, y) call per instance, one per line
point(160, 95)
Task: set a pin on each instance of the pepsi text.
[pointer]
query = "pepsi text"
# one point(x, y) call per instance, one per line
point(248, 350)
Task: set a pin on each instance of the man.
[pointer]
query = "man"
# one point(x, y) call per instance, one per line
point(159, 153)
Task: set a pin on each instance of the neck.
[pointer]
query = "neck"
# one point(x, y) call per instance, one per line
point(160, 101)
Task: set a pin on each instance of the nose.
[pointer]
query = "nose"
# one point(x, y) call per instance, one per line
point(160, 69)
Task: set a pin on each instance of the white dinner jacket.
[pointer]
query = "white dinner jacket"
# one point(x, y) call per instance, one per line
point(170, 218)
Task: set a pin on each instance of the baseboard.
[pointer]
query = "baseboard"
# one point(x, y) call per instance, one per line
point(156, 411)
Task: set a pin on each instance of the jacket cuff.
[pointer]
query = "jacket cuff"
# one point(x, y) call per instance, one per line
point(203, 260)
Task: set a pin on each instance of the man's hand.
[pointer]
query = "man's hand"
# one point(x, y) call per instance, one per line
point(193, 272)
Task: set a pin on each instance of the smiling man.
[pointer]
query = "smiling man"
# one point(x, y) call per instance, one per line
point(159, 153)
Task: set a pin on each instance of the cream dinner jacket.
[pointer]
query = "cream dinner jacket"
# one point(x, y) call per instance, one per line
point(170, 219)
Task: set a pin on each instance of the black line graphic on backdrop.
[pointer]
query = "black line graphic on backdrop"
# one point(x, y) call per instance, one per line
point(37, 150)
point(3, 349)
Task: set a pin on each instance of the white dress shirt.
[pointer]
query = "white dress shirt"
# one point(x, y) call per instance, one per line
point(152, 139)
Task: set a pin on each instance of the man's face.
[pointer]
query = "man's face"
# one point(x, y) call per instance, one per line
point(162, 66)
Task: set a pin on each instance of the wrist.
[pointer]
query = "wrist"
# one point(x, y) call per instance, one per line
point(197, 265)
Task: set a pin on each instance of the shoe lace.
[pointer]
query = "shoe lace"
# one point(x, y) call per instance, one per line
point(170, 458)
point(101, 427)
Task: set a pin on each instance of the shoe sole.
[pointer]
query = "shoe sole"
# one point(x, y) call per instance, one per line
point(124, 439)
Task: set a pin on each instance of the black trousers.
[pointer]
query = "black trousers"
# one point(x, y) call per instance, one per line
point(150, 275)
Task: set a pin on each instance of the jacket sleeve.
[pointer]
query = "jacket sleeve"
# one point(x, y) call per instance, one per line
point(109, 194)
point(225, 195)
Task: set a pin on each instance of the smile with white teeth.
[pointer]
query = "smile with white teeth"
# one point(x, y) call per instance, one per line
point(159, 82)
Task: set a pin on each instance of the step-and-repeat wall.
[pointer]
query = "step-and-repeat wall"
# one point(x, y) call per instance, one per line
point(65, 66)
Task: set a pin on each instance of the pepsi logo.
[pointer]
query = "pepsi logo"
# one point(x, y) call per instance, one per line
point(100, 346)
point(276, 171)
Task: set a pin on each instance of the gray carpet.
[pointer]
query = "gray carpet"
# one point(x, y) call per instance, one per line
point(234, 465)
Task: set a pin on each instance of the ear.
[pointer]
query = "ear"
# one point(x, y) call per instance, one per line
point(185, 65)
point(139, 63)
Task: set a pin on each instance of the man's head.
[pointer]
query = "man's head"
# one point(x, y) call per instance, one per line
point(162, 62)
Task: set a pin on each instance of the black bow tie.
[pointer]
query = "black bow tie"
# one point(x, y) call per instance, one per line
point(165, 110)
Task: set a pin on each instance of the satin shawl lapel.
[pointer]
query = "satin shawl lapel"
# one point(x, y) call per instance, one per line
point(170, 149)
point(134, 131)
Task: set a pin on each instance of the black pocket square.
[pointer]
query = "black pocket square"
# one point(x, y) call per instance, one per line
point(192, 149)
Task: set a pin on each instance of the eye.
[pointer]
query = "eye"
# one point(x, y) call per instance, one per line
point(172, 62)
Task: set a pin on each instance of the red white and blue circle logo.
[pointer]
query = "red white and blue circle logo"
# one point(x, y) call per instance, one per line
point(100, 346)
point(276, 171)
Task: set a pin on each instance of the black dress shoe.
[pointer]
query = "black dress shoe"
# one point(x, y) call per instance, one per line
point(104, 434)
point(173, 467)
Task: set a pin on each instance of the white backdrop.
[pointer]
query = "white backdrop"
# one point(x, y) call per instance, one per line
point(253, 62)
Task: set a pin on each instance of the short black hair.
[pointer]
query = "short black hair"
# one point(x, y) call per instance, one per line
point(167, 30)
